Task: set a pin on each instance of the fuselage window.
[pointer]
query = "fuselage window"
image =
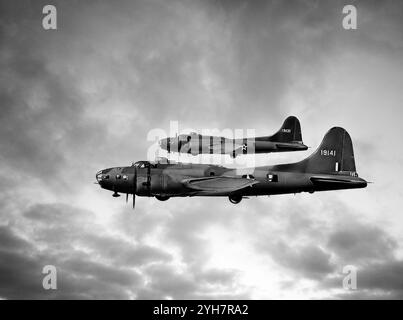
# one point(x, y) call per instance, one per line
point(272, 177)
point(118, 176)
point(248, 176)
point(125, 177)
point(212, 173)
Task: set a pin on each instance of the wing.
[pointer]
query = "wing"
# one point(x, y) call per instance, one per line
point(217, 147)
point(219, 184)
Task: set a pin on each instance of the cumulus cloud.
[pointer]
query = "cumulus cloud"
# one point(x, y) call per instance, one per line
point(84, 97)
point(357, 242)
point(93, 263)
point(310, 261)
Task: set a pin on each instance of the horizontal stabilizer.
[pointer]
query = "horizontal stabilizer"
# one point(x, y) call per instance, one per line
point(288, 146)
point(337, 182)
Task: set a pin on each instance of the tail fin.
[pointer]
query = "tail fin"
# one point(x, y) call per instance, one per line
point(334, 154)
point(290, 131)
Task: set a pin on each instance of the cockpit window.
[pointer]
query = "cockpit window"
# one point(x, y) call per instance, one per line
point(184, 138)
point(142, 164)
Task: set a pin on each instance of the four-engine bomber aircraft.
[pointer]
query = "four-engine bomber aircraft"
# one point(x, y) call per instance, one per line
point(330, 167)
point(288, 138)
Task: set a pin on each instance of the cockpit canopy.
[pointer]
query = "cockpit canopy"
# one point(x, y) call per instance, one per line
point(152, 164)
point(141, 164)
point(184, 138)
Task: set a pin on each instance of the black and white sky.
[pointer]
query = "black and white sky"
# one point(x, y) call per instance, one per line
point(85, 96)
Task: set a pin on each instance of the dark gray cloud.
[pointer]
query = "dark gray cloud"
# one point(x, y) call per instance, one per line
point(375, 280)
point(91, 266)
point(356, 242)
point(310, 261)
point(382, 279)
point(373, 253)
point(166, 282)
point(321, 246)
point(85, 269)
point(84, 97)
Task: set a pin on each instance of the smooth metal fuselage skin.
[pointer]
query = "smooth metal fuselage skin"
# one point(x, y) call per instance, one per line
point(199, 144)
point(287, 138)
point(165, 180)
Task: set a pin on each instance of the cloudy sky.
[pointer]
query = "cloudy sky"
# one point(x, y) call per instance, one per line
point(85, 97)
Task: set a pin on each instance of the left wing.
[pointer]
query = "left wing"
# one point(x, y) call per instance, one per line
point(219, 184)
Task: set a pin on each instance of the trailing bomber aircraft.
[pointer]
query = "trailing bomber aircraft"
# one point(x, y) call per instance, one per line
point(287, 138)
point(330, 167)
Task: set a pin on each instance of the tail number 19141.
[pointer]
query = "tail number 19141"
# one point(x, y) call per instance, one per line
point(326, 152)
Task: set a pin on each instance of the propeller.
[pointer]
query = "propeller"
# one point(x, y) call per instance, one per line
point(134, 186)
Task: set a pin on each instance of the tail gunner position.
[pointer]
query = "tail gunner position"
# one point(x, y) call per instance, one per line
point(330, 167)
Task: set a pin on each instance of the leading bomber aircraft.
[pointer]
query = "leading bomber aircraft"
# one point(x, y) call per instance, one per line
point(287, 138)
point(330, 167)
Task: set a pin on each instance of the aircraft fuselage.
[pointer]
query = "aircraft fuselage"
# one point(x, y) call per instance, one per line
point(330, 167)
point(199, 144)
point(166, 180)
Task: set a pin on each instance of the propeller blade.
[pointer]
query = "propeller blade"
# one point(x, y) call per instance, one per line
point(134, 186)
